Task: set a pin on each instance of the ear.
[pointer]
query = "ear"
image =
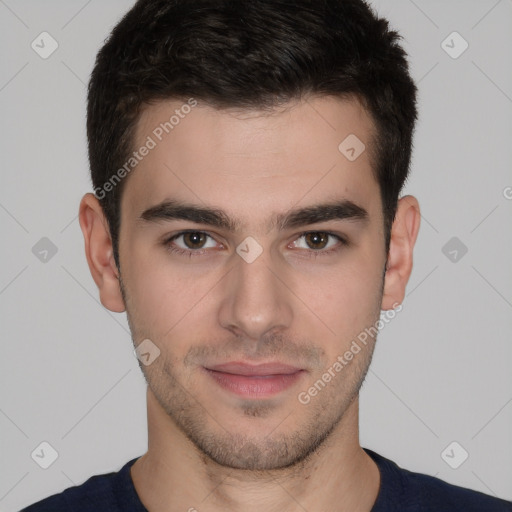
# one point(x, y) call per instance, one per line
point(399, 264)
point(100, 254)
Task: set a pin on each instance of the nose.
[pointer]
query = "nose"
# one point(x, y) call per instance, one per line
point(256, 299)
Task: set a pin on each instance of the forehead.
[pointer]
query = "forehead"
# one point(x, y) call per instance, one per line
point(253, 163)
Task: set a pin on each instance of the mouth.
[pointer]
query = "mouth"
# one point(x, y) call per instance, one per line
point(256, 381)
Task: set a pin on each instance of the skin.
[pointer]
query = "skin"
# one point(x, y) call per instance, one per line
point(223, 452)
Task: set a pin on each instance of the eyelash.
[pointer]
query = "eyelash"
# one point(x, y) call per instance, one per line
point(311, 252)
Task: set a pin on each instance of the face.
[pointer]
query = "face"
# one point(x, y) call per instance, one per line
point(252, 255)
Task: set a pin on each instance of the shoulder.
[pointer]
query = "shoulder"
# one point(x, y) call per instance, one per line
point(448, 497)
point(416, 492)
point(99, 492)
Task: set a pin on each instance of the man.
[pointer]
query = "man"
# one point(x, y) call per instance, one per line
point(247, 160)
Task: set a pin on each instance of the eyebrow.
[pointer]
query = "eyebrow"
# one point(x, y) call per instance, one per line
point(171, 209)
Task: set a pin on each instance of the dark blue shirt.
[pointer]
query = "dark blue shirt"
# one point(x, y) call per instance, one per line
point(400, 490)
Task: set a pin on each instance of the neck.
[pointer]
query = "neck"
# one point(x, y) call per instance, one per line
point(175, 475)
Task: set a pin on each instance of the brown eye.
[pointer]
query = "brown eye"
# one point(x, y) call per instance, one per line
point(190, 243)
point(194, 240)
point(317, 240)
point(320, 243)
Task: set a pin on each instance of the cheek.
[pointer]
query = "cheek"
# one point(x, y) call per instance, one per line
point(157, 294)
point(347, 298)
point(168, 303)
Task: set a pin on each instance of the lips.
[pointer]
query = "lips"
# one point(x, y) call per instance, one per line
point(239, 368)
point(254, 381)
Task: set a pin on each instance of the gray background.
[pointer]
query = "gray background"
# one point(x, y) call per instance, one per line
point(442, 367)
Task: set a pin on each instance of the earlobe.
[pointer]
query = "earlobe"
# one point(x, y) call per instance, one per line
point(400, 256)
point(99, 253)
